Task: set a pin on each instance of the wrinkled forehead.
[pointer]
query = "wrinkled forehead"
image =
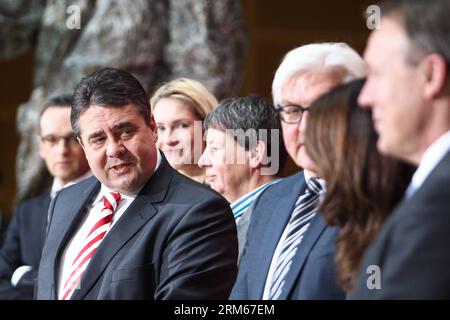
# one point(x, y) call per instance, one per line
point(97, 118)
point(306, 86)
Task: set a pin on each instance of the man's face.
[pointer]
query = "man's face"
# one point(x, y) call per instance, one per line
point(119, 146)
point(226, 163)
point(302, 89)
point(393, 91)
point(59, 147)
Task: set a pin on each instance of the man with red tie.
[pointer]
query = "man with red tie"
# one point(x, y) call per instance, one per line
point(138, 229)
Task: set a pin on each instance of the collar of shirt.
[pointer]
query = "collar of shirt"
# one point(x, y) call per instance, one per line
point(57, 187)
point(243, 203)
point(308, 176)
point(432, 156)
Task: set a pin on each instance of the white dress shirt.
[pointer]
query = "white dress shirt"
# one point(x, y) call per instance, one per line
point(430, 159)
point(93, 209)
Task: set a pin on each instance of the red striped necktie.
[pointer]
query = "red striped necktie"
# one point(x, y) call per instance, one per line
point(90, 243)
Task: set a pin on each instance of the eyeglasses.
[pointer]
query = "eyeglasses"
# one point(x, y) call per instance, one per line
point(52, 140)
point(291, 113)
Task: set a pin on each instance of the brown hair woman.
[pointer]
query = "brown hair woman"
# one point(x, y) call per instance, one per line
point(362, 186)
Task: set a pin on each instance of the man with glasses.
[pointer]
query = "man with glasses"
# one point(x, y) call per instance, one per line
point(290, 250)
point(65, 160)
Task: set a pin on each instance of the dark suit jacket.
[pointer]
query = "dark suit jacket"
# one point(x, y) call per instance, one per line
point(22, 245)
point(177, 240)
point(412, 248)
point(312, 274)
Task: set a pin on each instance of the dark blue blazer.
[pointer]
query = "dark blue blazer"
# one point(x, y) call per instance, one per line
point(177, 240)
point(23, 243)
point(412, 248)
point(312, 274)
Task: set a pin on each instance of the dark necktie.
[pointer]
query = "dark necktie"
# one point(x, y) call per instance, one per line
point(304, 210)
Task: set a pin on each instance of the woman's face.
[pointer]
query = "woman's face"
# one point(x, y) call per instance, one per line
point(179, 132)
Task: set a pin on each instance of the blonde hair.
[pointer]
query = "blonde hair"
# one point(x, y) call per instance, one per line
point(187, 90)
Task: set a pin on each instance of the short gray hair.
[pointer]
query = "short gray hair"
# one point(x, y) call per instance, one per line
point(320, 57)
point(246, 114)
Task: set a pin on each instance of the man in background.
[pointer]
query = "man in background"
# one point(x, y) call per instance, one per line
point(65, 160)
point(290, 250)
point(408, 90)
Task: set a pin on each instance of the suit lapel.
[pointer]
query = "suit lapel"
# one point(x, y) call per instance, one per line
point(133, 219)
point(310, 237)
point(68, 223)
point(44, 204)
point(279, 217)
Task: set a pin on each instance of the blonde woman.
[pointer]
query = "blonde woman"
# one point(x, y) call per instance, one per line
point(179, 108)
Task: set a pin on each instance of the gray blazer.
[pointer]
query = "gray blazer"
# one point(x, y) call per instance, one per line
point(412, 248)
point(177, 240)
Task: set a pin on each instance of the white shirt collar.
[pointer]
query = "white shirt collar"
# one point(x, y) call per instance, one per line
point(432, 156)
point(308, 176)
point(56, 186)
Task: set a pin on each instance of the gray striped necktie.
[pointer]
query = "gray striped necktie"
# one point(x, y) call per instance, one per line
point(304, 211)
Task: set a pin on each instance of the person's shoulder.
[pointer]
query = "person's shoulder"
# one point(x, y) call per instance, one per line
point(82, 185)
point(292, 179)
point(29, 205)
point(34, 200)
point(284, 185)
point(192, 189)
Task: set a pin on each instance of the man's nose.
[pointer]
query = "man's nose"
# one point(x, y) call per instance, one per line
point(62, 145)
point(365, 97)
point(303, 121)
point(115, 149)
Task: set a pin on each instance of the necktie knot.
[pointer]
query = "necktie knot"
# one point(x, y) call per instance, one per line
point(314, 186)
point(304, 211)
point(111, 200)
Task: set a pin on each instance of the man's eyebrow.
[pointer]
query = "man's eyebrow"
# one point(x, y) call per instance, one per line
point(95, 134)
point(122, 125)
point(117, 127)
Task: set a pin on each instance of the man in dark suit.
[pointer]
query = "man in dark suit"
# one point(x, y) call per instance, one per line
point(408, 89)
point(24, 239)
point(138, 229)
point(289, 251)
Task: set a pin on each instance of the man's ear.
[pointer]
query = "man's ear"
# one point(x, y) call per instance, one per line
point(257, 154)
point(435, 70)
point(41, 148)
point(80, 141)
point(154, 129)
